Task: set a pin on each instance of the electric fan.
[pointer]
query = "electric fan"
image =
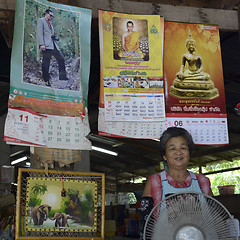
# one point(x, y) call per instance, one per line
point(190, 216)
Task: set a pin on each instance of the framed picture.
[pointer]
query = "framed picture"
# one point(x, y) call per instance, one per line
point(60, 205)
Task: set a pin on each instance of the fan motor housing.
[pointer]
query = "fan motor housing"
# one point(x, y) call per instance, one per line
point(189, 231)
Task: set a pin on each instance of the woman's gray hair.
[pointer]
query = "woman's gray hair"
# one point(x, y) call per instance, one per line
point(175, 132)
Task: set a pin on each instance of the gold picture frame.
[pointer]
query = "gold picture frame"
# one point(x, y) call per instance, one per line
point(60, 205)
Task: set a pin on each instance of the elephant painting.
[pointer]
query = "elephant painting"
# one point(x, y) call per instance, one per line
point(40, 214)
point(61, 219)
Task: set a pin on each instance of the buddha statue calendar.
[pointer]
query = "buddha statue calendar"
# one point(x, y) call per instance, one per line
point(191, 81)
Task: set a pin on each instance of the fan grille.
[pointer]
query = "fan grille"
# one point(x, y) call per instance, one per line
point(179, 215)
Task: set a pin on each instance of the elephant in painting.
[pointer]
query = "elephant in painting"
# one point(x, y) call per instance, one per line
point(60, 219)
point(40, 214)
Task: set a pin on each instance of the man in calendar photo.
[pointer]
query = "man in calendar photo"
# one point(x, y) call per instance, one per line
point(52, 48)
point(130, 39)
point(130, 43)
point(48, 45)
point(40, 59)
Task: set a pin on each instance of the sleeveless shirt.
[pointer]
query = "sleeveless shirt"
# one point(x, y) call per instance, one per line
point(163, 184)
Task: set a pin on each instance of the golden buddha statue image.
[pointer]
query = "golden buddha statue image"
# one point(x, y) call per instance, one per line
point(191, 81)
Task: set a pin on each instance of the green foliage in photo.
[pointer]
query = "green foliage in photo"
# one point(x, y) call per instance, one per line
point(66, 26)
point(37, 189)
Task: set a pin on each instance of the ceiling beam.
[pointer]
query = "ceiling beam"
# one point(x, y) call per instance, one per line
point(220, 4)
point(7, 25)
point(8, 4)
point(226, 19)
point(216, 150)
point(239, 18)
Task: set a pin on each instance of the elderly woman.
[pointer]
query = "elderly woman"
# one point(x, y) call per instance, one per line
point(176, 146)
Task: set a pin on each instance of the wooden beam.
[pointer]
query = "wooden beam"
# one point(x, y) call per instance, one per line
point(216, 150)
point(193, 164)
point(7, 24)
point(223, 4)
point(8, 4)
point(226, 19)
point(239, 19)
point(220, 4)
point(131, 187)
